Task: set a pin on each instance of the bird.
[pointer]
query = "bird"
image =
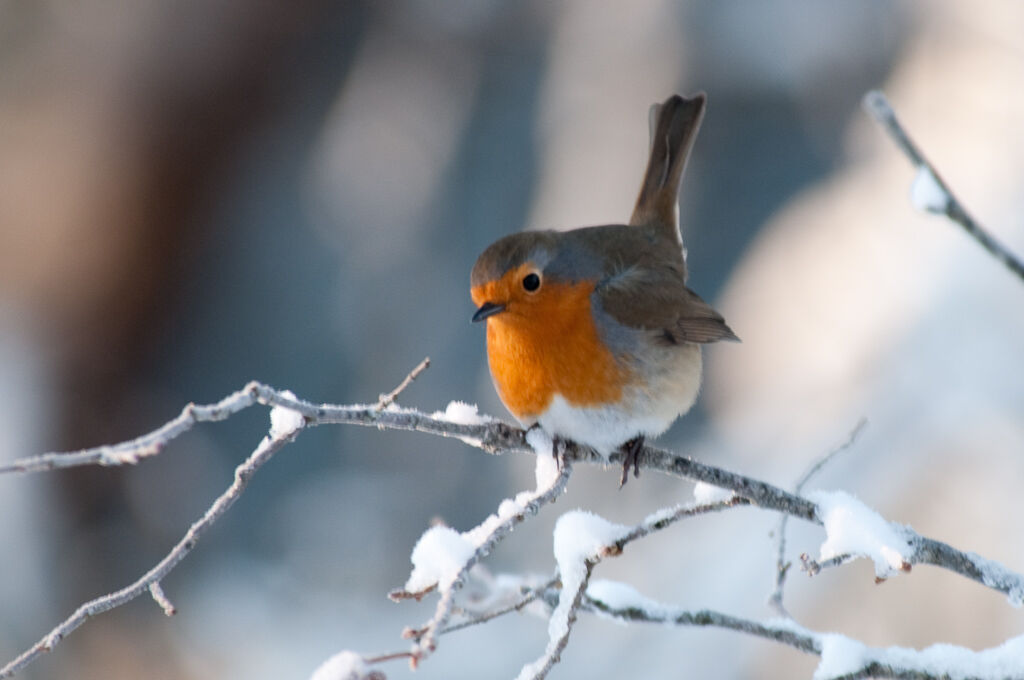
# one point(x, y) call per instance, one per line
point(592, 333)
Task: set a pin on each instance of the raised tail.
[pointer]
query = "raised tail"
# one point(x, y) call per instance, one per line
point(674, 126)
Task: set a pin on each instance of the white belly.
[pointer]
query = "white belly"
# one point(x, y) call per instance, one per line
point(672, 383)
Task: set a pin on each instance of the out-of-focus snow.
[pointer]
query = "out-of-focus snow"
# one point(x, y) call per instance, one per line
point(840, 655)
point(926, 193)
point(853, 528)
point(342, 666)
point(706, 494)
point(619, 595)
point(952, 661)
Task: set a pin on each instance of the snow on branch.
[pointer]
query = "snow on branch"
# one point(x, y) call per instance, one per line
point(929, 192)
point(841, 657)
point(444, 557)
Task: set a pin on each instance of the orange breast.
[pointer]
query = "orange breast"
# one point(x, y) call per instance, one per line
point(550, 345)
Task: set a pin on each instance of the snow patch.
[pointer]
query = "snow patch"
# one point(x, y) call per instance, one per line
point(579, 536)
point(438, 557)
point(853, 528)
point(620, 596)
point(706, 494)
point(342, 666)
point(546, 471)
point(926, 193)
point(461, 413)
point(840, 655)
point(285, 422)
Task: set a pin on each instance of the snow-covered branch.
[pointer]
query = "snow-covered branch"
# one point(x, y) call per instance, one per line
point(928, 191)
point(445, 557)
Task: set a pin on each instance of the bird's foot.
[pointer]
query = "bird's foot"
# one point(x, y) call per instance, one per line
point(631, 457)
point(558, 446)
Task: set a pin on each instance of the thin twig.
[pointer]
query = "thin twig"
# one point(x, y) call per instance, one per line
point(161, 599)
point(787, 633)
point(876, 104)
point(131, 452)
point(781, 565)
point(389, 398)
point(426, 636)
point(813, 567)
point(243, 473)
point(539, 669)
point(524, 600)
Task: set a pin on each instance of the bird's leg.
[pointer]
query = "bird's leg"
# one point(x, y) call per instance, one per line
point(558, 446)
point(631, 456)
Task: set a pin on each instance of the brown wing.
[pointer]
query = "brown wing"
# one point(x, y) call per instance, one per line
point(656, 299)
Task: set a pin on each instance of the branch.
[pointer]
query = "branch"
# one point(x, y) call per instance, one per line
point(784, 631)
point(150, 581)
point(781, 565)
point(930, 192)
point(842, 658)
point(291, 415)
point(485, 536)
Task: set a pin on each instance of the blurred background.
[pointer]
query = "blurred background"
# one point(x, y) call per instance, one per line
point(196, 194)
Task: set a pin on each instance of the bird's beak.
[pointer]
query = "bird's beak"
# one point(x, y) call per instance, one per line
point(487, 309)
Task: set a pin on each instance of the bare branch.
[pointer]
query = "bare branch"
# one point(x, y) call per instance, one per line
point(877, 105)
point(781, 565)
point(813, 567)
point(243, 473)
point(161, 599)
point(525, 599)
point(131, 452)
point(389, 398)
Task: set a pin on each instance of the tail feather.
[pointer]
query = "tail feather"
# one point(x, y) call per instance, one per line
point(674, 126)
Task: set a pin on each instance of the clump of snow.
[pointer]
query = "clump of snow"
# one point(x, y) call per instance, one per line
point(438, 557)
point(840, 656)
point(461, 413)
point(951, 661)
point(661, 515)
point(442, 552)
point(546, 471)
point(342, 666)
point(926, 193)
point(853, 528)
point(619, 595)
point(706, 494)
point(285, 421)
point(579, 536)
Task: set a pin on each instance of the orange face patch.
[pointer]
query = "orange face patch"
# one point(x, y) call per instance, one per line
point(545, 342)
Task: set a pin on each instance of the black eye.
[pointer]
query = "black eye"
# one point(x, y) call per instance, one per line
point(531, 282)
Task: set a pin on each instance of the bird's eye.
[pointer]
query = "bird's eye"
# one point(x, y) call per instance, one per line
point(531, 282)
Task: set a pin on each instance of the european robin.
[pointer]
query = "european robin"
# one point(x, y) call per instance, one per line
point(592, 333)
